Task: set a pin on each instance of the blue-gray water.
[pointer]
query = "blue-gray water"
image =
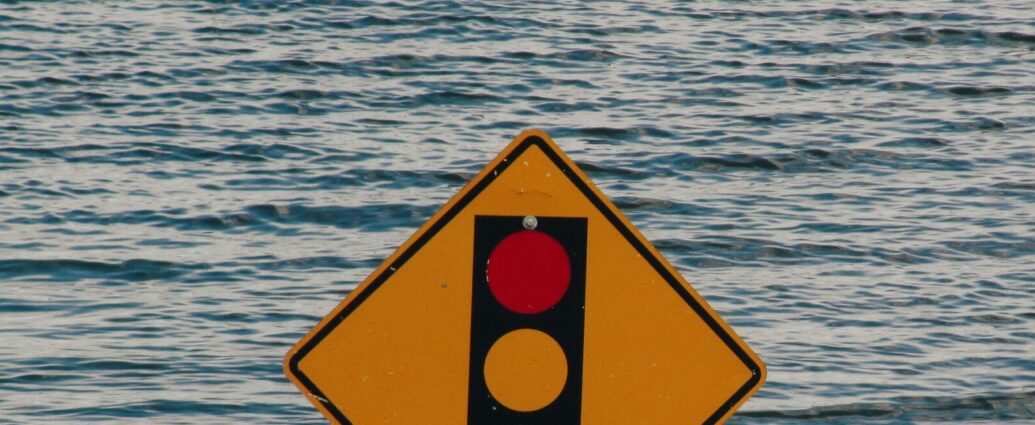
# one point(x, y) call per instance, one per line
point(187, 187)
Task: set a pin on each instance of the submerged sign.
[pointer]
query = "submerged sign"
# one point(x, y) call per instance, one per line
point(528, 298)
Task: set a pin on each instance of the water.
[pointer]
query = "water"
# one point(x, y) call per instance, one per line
point(187, 187)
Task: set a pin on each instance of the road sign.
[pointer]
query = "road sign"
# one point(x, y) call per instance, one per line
point(528, 298)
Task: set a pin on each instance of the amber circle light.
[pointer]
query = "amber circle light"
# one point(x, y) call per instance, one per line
point(526, 370)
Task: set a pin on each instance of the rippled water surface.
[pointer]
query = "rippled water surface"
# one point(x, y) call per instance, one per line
point(188, 187)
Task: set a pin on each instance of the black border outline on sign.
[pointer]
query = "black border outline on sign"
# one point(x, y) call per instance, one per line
point(532, 140)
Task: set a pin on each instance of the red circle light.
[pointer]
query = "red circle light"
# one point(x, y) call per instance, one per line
point(528, 272)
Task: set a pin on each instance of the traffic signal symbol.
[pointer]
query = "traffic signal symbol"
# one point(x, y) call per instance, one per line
point(527, 320)
point(411, 345)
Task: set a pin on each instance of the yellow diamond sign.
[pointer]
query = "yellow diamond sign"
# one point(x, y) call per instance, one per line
point(528, 298)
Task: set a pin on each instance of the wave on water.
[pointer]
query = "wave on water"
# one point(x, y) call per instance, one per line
point(973, 409)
